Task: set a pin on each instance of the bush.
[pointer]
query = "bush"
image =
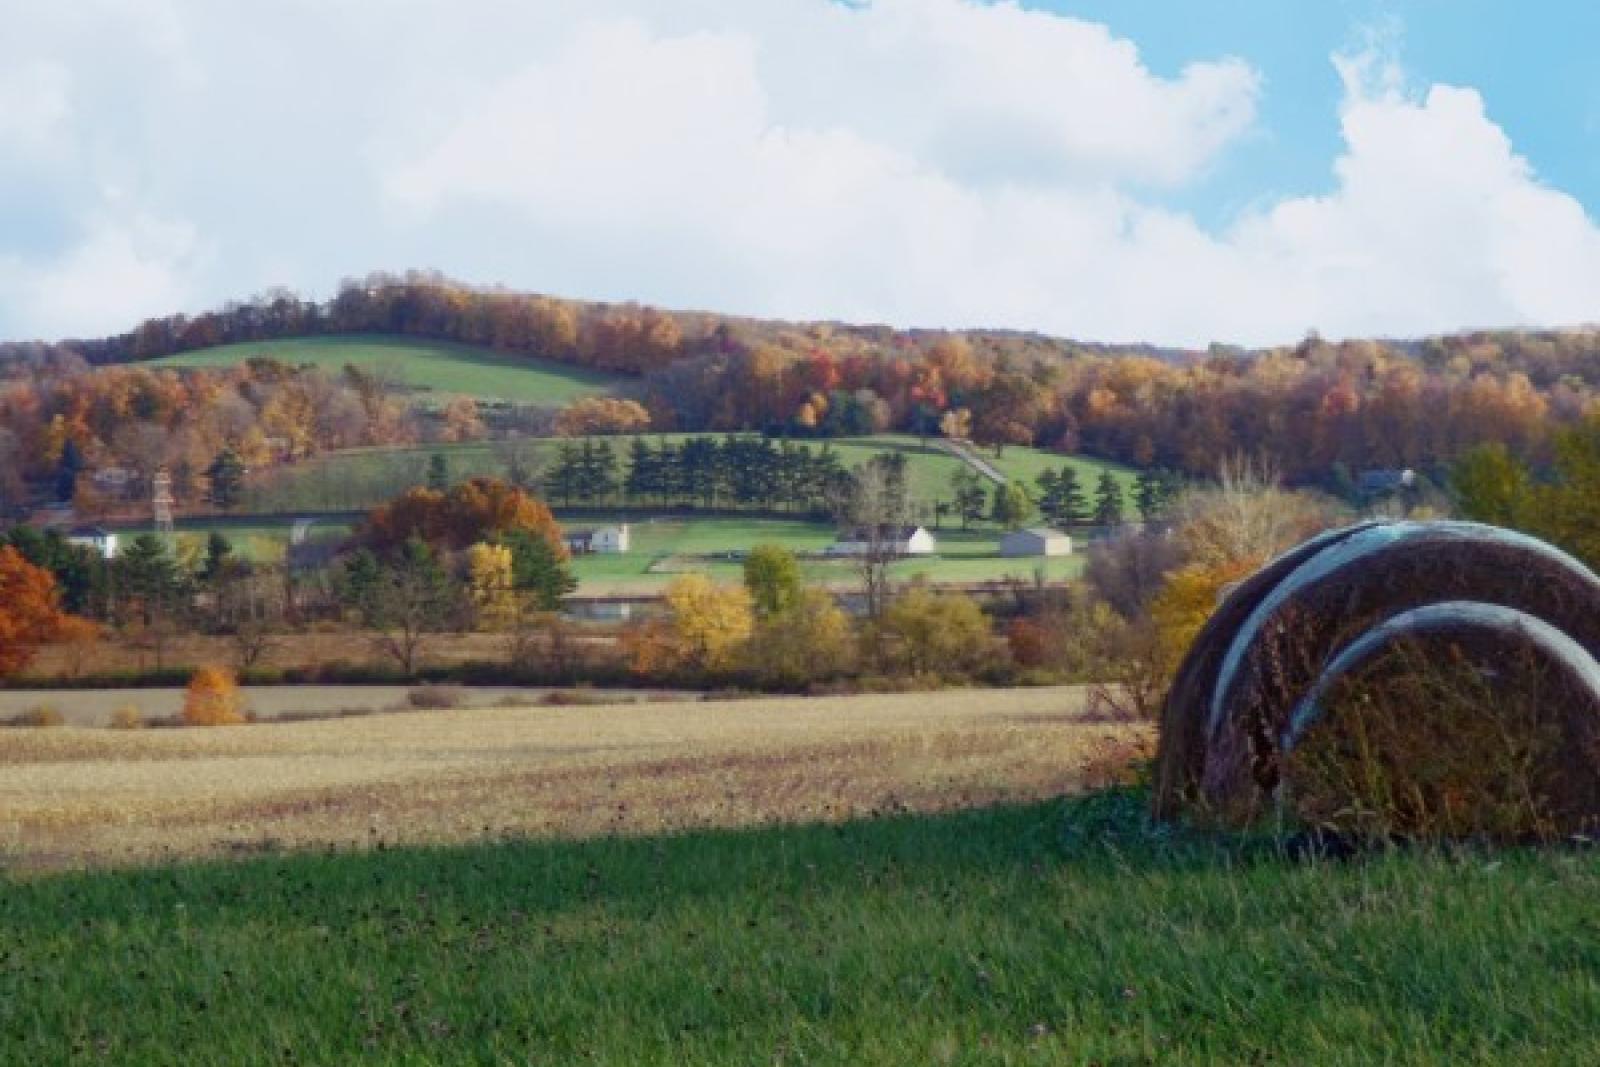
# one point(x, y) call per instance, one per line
point(41, 717)
point(437, 697)
point(127, 717)
point(212, 699)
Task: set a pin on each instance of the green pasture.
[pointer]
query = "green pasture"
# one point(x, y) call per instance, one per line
point(425, 366)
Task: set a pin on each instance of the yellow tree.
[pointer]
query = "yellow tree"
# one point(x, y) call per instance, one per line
point(709, 622)
point(809, 638)
point(943, 634)
point(491, 584)
point(1186, 600)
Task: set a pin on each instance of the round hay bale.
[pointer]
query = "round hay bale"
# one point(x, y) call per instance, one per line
point(1451, 720)
point(1181, 758)
point(1268, 647)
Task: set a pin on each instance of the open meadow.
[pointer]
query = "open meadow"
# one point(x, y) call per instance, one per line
point(440, 367)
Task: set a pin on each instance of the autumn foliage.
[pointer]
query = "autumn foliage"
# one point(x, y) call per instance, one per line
point(30, 611)
point(212, 699)
point(602, 415)
point(1321, 411)
point(481, 509)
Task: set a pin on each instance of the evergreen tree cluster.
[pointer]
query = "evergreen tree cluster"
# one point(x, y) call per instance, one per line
point(702, 472)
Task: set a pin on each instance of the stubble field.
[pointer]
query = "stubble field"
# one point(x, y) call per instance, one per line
point(72, 797)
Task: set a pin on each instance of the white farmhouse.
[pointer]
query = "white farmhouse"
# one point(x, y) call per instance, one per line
point(1036, 541)
point(899, 540)
point(101, 541)
point(607, 539)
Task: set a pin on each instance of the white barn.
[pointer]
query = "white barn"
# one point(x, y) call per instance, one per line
point(901, 540)
point(1036, 541)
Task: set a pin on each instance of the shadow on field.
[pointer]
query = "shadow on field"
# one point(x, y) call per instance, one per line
point(1107, 831)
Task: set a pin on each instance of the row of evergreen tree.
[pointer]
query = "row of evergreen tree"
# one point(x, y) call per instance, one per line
point(753, 472)
point(703, 472)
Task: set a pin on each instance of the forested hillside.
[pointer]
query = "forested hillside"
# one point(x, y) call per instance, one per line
point(1319, 410)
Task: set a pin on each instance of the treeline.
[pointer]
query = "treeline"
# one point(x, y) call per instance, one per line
point(1319, 410)
point(97, 438)
point(702, 472)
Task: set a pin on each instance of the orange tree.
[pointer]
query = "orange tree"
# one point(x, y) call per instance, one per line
point(30, 610)
point(212, 699)
point(482, 509)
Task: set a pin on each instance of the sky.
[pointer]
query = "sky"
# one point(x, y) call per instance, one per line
point(1172, 171)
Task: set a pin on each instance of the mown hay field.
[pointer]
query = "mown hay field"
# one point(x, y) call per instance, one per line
point(71, 797)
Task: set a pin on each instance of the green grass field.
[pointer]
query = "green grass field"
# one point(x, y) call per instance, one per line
point(666, 547)
point(1061, 932)
point(431, 366)
point(1026, 464)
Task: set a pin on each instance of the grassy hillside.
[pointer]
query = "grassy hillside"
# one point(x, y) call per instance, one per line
point(1058, 932)
point(430, 366)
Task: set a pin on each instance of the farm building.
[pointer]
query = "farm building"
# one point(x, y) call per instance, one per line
point(99, 540)
point(1036, 541)
point(900, 540)
point(1374, 483)
point(605, 539)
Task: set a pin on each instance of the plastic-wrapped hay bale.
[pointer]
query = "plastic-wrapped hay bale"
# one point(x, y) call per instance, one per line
point(1181, 760)
point(1456, 719)
point(1268, 646)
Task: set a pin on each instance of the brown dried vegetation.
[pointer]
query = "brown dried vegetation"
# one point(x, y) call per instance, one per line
point(71, 796)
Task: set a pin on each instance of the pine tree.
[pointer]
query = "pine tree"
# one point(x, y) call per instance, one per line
point(643, 480)
point(1108, 504)
point(1147, 494)
point(219, 554)
point(564, 479)
point(67, 470)
point(227, 473)
point(1074, 508)
point(438, 472)
point(1049, 483)
point(537, 571)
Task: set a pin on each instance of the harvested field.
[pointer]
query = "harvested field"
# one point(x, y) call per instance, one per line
point(72, 797)
point(96, 707)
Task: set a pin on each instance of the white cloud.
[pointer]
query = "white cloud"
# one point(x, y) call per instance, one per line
point(929, 162)
point(35, 103)
point(113, 276)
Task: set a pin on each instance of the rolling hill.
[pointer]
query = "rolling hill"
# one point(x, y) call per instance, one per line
point(439, 367)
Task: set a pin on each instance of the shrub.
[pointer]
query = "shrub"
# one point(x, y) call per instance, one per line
point(127, 717)
point(41, 716)
point(212, 699)
point(581, 696)
point(1029, 642)
point(437, 697)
